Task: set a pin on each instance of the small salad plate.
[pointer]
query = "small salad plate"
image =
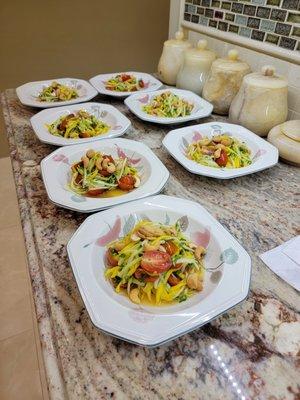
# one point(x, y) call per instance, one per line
point(29, 93)
point(148, 106)
point(226, 277)
point(123, 84)
point(262, 155)
point(111, 121)
point(57, 174)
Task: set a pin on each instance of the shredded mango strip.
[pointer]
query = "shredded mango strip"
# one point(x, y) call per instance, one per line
point(207, 151)
point(78, 125)
point(57, 92)
point(169, 105)
point(173, 284)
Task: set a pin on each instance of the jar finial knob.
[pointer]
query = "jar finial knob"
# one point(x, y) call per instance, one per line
point(268, 70)
point(202, 44)
point(179, 35)
point(233, 55)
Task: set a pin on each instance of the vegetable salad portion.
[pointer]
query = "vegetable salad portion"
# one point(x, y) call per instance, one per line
point(220, 151)
point(81, 124)
point(98, 174)
point(155, 264)
point(169, 105)
point(57, 92)
point(124, 83)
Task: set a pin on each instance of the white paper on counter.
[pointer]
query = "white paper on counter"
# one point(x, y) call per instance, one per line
point(284, 261)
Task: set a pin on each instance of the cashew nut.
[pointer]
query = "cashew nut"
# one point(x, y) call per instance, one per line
point(194, 281)
point(217, 153)
point(226, 141)
point(90, 153)
point(85, 161)
point(204, 142)
point(199, 252)
point(134, 296)
point(149, 247)
point(98, 163)
point(135, 237)
point(217, 139)
point(105, 163)
point(137, 181)
point(118, 246)
point(111, 168)
point(149, 231)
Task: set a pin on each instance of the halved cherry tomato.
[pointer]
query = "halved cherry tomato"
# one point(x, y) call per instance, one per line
point(173, 280)
point(125, 77)
point(156, 262)
point(141, 274)
point(170, 247)
point(95, 192)
point(149, 278)
point(84, 135)
point(222, 160)
point(111, 258)
point(104, 172)
point(126, 182)
point(63, 125)
point(141, 83)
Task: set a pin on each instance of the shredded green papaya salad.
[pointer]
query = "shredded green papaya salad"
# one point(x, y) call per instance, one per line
point(57, 92)
point(219, 151)
point(155, 264)
point(99, 174)
point(124, 83)
point(169, 105)
point(78, 125)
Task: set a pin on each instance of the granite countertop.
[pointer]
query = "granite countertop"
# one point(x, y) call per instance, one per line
point(250, 352)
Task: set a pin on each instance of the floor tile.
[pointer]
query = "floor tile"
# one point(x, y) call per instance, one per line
point(9, 211)
point(19, 374)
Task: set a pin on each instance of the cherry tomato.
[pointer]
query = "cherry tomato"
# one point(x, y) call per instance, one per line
point(111, 258)
point(170, 247)
point(63, 125)
point(125, 77)
point(149, 278)
point(104, 172)
point(95, 192)
point(222, 160)
point(84, 135)
point(173, 280)
point(141, 274)
point(126, 182)
point(141, 83)
point(156, 262)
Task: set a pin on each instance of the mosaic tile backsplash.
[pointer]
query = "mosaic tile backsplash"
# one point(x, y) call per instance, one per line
point(272, 21)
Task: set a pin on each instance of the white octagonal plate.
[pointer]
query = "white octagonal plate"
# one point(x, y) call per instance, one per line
point(226, 279)
point(264, 155)
point(109, 114)
point(99, 82)
point(56, 173)
point(201, 109)
point(28, 93)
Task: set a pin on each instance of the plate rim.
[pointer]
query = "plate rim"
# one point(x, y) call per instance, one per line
point(155, 341)
point(174, 135)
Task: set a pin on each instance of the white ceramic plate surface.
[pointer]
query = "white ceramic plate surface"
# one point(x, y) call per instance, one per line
point(99, 83)
point(28, 93)
point(201, 109)
point(264, 155)
point(147, 325)
point(56, 173)
point(109, 114)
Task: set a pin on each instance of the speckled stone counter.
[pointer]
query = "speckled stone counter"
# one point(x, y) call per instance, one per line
point(251, 352)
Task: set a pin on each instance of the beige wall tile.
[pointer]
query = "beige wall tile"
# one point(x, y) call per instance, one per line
point(19, 374)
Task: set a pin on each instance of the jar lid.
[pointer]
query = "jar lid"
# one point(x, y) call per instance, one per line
point(200, 52)
point(291, 129)
point(179, 41)
point(231, 63)
point(266, 79)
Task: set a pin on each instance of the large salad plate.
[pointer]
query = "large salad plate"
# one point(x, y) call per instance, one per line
point(110, 115)
point(99, 83)
point(56, 172)
point(29, 92)
point(263, 154)
point(226, 279)
point(137, 101)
